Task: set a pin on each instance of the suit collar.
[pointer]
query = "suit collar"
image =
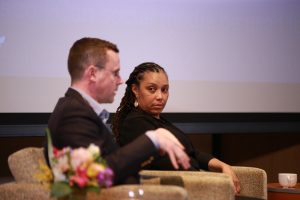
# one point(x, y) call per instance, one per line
point(97, 108)
point(73, 93)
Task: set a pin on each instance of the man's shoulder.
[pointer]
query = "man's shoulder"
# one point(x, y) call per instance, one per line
point(71, 106)
point(71, 99)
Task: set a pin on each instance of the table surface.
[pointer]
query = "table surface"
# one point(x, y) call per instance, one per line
point(275, 187)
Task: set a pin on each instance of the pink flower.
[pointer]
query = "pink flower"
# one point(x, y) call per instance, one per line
point(57, 153)
point(80, 181)
point(80, 178)
point(79, 157)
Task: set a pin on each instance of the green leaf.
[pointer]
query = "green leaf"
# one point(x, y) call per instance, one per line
point(93, 189)
point(50, 147)
point(60, 189)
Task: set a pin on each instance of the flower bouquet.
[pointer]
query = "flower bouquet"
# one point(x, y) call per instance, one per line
point(77, 171)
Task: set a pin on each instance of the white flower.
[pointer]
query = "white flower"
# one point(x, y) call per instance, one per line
point(94, 150)
point(58, 175)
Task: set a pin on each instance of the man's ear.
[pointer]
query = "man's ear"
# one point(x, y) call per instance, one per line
point(91, 72)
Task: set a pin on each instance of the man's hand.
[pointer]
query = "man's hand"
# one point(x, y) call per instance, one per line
point(169, 144)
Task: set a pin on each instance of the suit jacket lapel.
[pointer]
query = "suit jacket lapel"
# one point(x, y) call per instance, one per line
point(105, 130)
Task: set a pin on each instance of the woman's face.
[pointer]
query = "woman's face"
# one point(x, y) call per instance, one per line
point(153, 92)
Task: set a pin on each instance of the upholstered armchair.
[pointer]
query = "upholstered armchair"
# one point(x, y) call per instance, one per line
point(25, 163)
point(31, 191)
point(253, 181)
point(211, 185)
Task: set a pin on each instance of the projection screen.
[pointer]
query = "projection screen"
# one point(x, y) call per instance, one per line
point(220, 55)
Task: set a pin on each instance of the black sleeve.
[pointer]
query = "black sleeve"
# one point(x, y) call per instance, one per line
point(134, 127)
point(202, 159)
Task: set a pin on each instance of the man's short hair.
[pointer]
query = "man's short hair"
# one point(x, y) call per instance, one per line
point(88, 51)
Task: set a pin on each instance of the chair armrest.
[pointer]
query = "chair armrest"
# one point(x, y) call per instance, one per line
point(253, 181)
point(199, 185)
point(23, 191)
point(29, 191)
point(147, 192)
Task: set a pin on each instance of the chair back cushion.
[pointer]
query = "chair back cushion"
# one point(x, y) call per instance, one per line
point(25, 164)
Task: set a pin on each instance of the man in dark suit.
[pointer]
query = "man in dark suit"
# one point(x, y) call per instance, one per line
point(94, 67)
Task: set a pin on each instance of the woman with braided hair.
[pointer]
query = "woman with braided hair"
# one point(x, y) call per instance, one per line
point(140, 110)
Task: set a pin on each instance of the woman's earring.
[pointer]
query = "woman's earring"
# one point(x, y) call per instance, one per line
point(136, 103)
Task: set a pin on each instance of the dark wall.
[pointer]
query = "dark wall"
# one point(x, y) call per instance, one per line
point(270, 141)
point(273, 152)
point(8, 145)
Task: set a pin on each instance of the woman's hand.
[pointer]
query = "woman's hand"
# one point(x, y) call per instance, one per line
point(217, 165)
point(227, 169)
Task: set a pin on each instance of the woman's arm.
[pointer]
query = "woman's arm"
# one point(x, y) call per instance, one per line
point(219, 166)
